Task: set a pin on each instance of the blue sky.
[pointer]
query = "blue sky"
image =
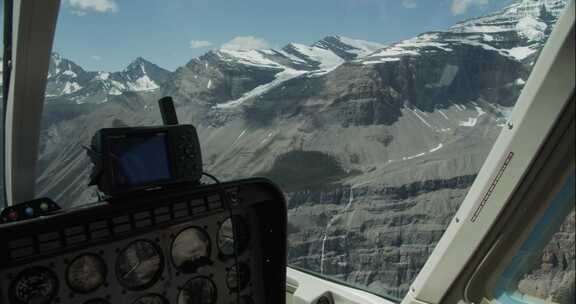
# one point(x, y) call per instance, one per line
point(108, 34)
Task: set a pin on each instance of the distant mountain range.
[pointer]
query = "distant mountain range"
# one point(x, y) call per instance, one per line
point(65, 78)
point(375, 145)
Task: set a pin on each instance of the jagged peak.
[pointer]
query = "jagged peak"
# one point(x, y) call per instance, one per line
point(137, 62)
point(519, 9)
point(141, 66)
point(348, 48)
point(294, 46)
point(346, 40)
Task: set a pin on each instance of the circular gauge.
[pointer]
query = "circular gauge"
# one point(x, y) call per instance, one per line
point(191, 250)
point(199, 290)
point(86, 273)
point(151, 299)
point(139, 265)
point(226, 236)
point(238, 281)
point(37, 285)
point(97, 301)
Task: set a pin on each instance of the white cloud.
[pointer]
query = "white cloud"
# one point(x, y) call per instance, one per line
point(96, 57)
point(198, 44)
point(461, 6)
point(409, 3)
point(246, 43)
point(100, 6)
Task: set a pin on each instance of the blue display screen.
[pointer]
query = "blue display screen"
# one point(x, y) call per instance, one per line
point(141, 159)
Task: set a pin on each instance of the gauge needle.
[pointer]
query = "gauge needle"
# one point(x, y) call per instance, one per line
point(133, 268)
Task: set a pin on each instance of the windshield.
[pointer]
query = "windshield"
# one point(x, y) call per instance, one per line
point(373, 116)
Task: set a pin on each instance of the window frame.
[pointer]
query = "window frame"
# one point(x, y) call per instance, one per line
point(7, 6)
point(304, 287)
point(546, 177)
point(34, 25)
point(452, 271)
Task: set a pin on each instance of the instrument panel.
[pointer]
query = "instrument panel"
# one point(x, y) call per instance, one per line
point(203, 257)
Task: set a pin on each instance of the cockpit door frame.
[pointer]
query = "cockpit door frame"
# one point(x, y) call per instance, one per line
point(543, 100)
point(34, 24)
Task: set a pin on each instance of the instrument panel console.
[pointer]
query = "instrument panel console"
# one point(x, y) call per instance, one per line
point(179, 247)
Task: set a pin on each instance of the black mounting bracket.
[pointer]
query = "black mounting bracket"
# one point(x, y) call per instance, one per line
point(167, 110)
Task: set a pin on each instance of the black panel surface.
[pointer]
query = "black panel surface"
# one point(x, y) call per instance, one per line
point(152, 249)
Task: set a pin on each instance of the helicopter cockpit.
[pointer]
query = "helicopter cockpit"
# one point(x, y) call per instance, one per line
point(433, 162)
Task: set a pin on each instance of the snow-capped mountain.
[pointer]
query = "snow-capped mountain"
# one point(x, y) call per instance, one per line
point(232, 75)
point(67, 79)
point(518, 31)
point(142, 75)
point(348, 48)
point(324, 54)
point(529, 19)
point(226, 78)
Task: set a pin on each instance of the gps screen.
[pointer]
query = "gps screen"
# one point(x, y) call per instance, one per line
point(141, 159)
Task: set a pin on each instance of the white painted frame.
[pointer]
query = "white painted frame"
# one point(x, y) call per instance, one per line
point(305, 288)
point(34, 24)
point(545, 95)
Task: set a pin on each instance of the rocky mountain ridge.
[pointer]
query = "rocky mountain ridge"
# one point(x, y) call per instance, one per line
point(70, 81)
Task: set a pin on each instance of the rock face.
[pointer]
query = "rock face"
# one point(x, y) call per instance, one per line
point(375, 146)
point(552, 276)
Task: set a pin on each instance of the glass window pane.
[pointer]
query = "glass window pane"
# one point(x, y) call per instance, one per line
point(375, 139)
point(543, 269)
point(552, 275)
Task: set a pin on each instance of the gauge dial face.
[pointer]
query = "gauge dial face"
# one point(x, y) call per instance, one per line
point(139, 265)
point(151, 299)
point(226, 236)
point(36, 285)
point(86, 273)
point(191, 250)
point(199, 290)
point(238, 281)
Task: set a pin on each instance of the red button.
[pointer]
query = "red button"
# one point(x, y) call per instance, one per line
point(13, 215)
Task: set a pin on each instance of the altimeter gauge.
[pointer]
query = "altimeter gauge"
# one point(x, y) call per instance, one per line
point(139, 265)
point(191, 250)
point(37, 285)
point(86, 273)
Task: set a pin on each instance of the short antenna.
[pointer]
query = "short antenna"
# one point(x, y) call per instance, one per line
point(168, 111)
